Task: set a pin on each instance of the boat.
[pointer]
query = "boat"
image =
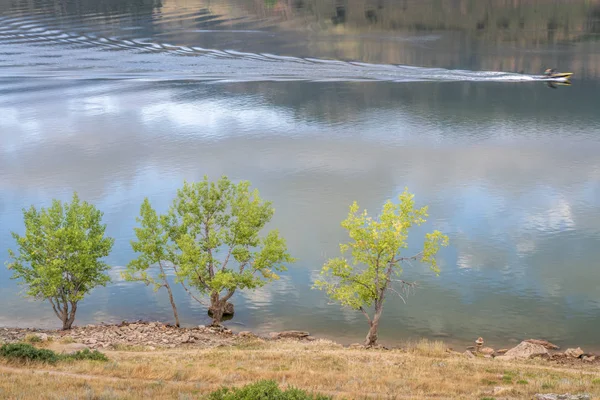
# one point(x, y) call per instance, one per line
point(565, 75)
point(552, 76)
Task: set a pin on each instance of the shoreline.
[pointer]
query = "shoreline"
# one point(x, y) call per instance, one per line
point(152, 335)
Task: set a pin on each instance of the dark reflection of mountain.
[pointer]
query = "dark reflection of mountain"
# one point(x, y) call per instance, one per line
point(83, 7)
point(521, 35)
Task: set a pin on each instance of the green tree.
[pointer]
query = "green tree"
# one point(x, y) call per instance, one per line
point(375, 247)
point(214, 244)
point(60, 255)
point(152, 246)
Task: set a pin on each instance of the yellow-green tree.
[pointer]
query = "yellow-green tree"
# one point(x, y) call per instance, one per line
point(60, 255)
point(376, 246)
point(211, 240)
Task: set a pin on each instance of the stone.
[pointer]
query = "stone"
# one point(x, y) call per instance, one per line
point(246, 334)
point(501, 351)
point(567, 396)
point(468, 354)
point(545, 343)
point(524, 350)
point(92, 341)
point(356, 346)
point(73, 348)
point(487, 351)
point(43, 337)
point(575, 353)
point(498, 390)
point(294, 334)
point(274, 335)
point(589, 358)
point(150, 348)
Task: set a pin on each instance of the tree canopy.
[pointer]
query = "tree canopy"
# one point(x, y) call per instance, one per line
point(375, 247)
point(60, 256)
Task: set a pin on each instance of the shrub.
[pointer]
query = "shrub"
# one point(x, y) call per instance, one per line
point(26, 352)
point(86, 355)
point(264, 390)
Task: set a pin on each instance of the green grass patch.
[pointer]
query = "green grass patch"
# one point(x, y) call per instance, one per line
point(522, 382)
point(264, 390)
point(488, 382)
point(26, 352)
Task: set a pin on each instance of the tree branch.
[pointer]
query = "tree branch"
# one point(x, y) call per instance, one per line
point(228, 295)
point(54, 308)
point(398, 293)
point(365, 314)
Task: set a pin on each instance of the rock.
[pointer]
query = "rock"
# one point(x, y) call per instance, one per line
point(501, 351)
point(589, 358)
point(524, 350)
point(545, 343)
point(498, 390)
point(567, 396)
point(357, 346)
point(246, 334)
point(468, 354)
point(575, 353)
point(274, 335)
point(92, 341)
point(43, 337)
point(294, 334)
point(185, 339)
point(487, 351)
point(150, 348)
point(470, 348)
point(73, 348)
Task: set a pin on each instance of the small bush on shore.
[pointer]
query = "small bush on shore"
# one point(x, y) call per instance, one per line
point(26, 352)
point(264, 390)
point(86, 355)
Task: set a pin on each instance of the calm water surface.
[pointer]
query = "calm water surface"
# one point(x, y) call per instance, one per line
point(319, 103)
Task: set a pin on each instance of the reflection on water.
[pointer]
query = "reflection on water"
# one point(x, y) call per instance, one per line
point(510, 170)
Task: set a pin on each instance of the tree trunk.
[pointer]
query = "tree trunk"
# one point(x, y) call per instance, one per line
point(172, 304)
point(68, 316)
point(217, 309)
point(371, 339)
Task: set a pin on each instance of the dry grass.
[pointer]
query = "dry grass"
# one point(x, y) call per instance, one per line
point(424, 371)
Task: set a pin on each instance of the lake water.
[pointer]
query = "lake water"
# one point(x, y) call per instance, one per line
point(319, 103)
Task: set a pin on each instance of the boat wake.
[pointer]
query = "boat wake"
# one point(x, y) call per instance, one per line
point(29, 48)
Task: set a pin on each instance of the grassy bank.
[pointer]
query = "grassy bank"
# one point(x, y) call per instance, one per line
point(424, 370)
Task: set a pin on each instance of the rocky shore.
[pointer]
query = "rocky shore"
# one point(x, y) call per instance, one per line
point(148, 336)
point(142, 335)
